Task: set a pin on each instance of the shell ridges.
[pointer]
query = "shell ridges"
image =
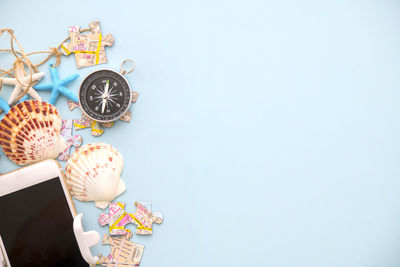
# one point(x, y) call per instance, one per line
point(93, 174)
point(30, 132)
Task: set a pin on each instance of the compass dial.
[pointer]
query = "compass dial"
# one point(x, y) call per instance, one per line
point(105, 95)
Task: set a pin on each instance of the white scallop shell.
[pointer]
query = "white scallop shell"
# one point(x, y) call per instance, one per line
point(30, 132)
point(93, 174)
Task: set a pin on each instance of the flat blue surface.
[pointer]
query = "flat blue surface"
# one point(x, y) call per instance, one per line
point(267, 132)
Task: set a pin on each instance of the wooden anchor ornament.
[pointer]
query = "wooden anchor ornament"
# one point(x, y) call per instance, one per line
point(124, 253)
point(58, 86)
point(143, 218)
point(89, 49)
point(104, 97)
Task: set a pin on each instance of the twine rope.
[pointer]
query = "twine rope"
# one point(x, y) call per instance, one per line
point(22, 61)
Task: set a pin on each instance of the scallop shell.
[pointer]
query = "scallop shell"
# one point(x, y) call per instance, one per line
point(30, 132)
point(93, 174)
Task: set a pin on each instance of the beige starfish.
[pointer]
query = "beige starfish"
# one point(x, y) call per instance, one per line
point(19, 87)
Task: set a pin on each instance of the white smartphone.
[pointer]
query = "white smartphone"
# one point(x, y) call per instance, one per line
point(36, 218)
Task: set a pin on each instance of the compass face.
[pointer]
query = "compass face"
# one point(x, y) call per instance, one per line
point(105, 95)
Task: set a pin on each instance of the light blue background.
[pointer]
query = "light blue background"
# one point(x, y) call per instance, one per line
point(267, 132)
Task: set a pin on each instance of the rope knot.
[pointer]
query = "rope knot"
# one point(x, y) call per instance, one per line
point(55, 52)
point(18, 61)
point(10, 31)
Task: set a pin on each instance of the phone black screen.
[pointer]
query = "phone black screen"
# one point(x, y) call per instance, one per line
point(36, 227)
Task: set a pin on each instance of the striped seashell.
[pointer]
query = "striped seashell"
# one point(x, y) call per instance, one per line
point(93, 174)
point(30, 132)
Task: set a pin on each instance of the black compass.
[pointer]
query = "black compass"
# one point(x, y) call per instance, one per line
point(105, 95)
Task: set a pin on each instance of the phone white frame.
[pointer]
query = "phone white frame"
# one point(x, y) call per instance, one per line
point(23, 178)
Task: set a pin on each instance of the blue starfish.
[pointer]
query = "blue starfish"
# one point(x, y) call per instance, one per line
point(6, 108)
point(57, 87)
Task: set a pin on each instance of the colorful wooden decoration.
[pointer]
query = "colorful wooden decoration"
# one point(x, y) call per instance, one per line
point(57, 87)
point(20, 86)
point(70, 140)
point(124, 253)
point(89, 49)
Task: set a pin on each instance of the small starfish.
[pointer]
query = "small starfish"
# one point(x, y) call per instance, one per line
point(57, 87)
point(19, 87)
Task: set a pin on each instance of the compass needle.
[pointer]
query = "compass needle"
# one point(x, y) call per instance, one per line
point(106, 89)
point(103, 105)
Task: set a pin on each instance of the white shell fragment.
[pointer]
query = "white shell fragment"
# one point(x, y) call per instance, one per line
point(30, 132)
point(93, 174)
